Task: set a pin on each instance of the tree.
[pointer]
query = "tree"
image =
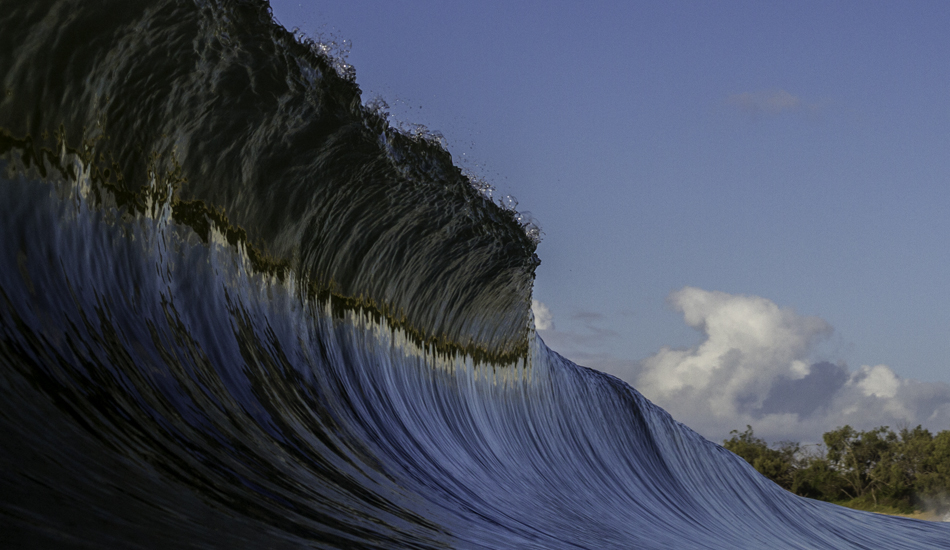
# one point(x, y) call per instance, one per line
point(873, 463)
point(816, 478)
point(932, 483)
point(776, 464)
point(910, 463)
point(870, 469)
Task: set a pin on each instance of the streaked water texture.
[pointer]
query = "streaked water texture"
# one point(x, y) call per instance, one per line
point(238, 310)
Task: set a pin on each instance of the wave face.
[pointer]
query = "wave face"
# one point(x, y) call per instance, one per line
point(238, 310)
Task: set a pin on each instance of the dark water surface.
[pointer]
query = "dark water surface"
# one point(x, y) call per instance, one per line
point(239, 310)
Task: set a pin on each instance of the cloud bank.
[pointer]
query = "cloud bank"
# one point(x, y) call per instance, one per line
point(755, 365)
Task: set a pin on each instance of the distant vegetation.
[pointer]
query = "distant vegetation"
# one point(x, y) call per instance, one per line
point(877, 470)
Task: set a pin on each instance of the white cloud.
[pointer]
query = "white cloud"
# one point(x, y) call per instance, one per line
point(543, 319)
point(749, 343)
point(879, 381)
point(756, 365)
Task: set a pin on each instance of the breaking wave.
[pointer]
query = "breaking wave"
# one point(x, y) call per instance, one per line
point(238, 309)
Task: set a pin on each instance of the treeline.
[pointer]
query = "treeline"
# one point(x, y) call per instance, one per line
point(876, 470)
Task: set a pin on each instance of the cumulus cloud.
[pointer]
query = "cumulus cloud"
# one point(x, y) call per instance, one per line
point(807, 396)
point(878, 381)
point(770, 102)
point(543, 319)
point(755, 366)
point(750, 343)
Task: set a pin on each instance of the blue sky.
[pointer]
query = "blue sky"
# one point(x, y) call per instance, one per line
point(795, 152)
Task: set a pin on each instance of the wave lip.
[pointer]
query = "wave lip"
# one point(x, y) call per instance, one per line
point(257, 134)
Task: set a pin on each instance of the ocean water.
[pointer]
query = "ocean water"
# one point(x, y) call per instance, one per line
point(238, 310)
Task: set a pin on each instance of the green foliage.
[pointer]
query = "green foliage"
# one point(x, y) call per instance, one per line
point(876, 470)
point(932, 484)
point(816, 478)
point(775, 464)
point(867, 462)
